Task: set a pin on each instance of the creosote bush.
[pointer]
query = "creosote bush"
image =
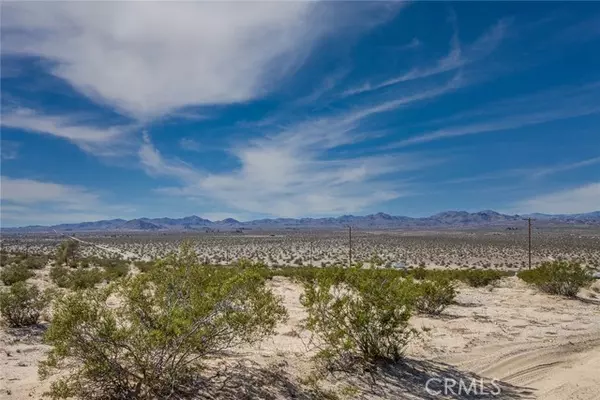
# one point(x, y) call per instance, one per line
point(67, 252)
point(144, 266)
point(75, 279)
point(154, 342)
point(15, 273)
point(359, 315)
point(22, 304)
point(114, 269)
point(434, 296)
point(35, 262)
point(558, 277)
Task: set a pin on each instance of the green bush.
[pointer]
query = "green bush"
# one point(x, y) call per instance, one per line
point(60, 276)
point(75, 279)
point(472, 277)
point(243, 263)
point(115, 269)
point(155, 342)
point(434, 296)
point(421, 273)
point(558, 277)
point(67, 252)
point(22, 304)
point(479, 277)
point(15, 273)
point(35, 262)
point(5, 259)
point(360, 315)
point(80, 279)
point(144, 266)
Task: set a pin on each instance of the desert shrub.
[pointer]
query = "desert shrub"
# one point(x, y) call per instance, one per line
point(67, 252)
point(15, 273)
point(115, 269)
point(22, 304)
point(75, 279)
point(144, 266)
point(296, 273)
point(420, 273)
point(434, 296)
point(60, 276)
point(5, 259)
point(154, 343)
point(479, 278)
point(361, 316)
point(35, 262)
point(80, 279)
point(472, 277)
point(243, 263)
point(558, 277)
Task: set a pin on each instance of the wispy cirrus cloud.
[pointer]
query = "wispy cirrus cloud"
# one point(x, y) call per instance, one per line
point(550, 170)
point(527, 174)
point(289, 170)
point(26, 201)
point(574, 200)
point(522, 112)
point(9, 150)
point(97, 140)
point(190, 144)
point(154, 164)
point(456, 58)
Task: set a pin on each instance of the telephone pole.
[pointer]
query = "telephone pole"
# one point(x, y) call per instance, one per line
point(529, 225)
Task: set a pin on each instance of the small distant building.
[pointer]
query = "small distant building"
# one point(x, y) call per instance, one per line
point(399, 265)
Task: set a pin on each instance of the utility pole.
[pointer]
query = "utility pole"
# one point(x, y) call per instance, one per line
point(350, 246)
point(529, 225)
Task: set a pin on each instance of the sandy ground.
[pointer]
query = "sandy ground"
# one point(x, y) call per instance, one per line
point(537, 346)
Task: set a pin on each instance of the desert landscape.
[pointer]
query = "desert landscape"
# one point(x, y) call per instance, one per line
point(299, 200)
point(504, 332)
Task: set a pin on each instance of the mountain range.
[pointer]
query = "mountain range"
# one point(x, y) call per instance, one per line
point(447, 219)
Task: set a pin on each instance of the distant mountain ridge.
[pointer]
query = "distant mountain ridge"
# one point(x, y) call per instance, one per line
point(446, 219)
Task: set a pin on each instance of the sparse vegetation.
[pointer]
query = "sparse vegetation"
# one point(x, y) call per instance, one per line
point(15, 273)
point(67, 252)
point(22, 304)
point(76, 279)
point(361, 316)
point(434, 296)
point(155, 342)
point(114, 269)
point(560, 277)
point(358, 317)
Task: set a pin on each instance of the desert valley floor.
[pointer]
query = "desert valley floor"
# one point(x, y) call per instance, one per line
point(536, 345)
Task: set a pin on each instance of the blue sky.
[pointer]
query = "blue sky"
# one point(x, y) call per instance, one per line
point(251, 110)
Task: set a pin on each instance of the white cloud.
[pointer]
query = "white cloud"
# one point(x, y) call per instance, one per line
point(522, 112)
point(147, 59)
point(9, 150)
point(153, 163)
point(543, 172)
point(455, 59)
point(526, 173)
point(190, 144)
point(25, 201)
point(97, 140)
point(581, 199)
point(291, 172)
point(28, 191)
